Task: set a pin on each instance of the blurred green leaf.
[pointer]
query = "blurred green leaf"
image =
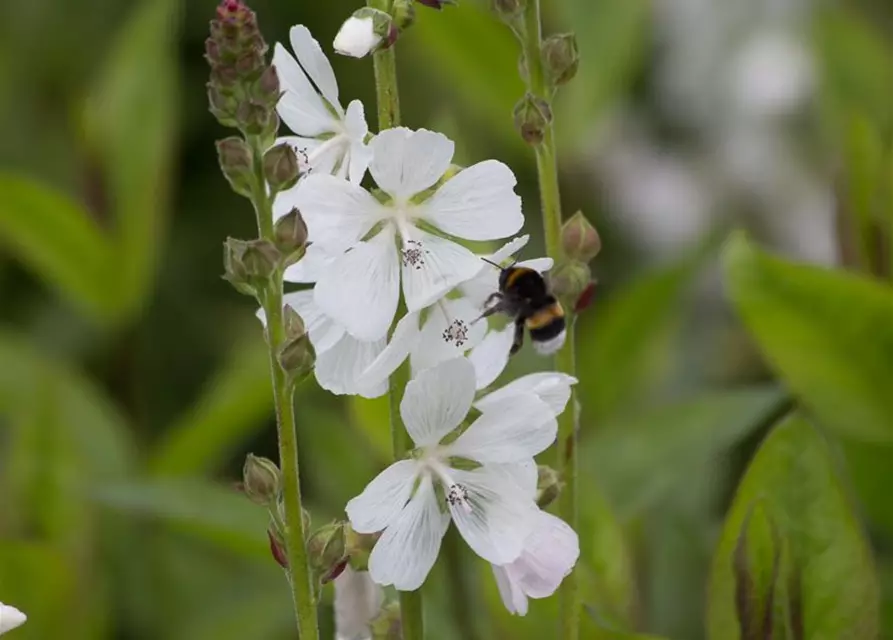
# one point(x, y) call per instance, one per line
point(870, 468)
point(213, 513)
point(235, 405)
point(57, 239)
point(373, 419)
point(674, 439)
point(829, 560)
point(756, 564)
point(256, 614)
point(130, 125)
point(43, 587)
point(828, 334)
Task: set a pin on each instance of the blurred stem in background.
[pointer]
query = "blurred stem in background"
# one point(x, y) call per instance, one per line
point(388, 101)
point(300, 577)
point(540, 88)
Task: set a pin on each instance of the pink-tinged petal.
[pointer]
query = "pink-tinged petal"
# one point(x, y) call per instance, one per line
point(550, 552)
point(407, 162)
point(478, 203)
point(406, 551)
point(340, 368)
point(510, 591)
point(432, 266)
point(358, 602)
point(491, 356)
point(338, 214)
point(301, 108)
point(437, 400)
point(384, 498)
point(361, 287)
point(449, 331)
point(403, 340)
point(551, 387)
point(315, 64)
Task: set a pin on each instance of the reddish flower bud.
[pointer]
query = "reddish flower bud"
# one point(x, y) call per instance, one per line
point(579, 239)
point(585, 298)
point(277, 549)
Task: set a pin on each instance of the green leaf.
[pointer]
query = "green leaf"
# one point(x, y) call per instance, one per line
point(236, 405)
point(828, 572)
point(57, 239)
point(756, 563)
point(828, 334)
point(130, 125)
point(675, 439)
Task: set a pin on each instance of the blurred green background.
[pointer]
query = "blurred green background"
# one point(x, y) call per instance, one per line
point(133, 380)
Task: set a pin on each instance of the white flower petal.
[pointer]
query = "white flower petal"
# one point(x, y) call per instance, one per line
point(403, 340)
point(10, 618)
point(491, 356)
point(301, 108)
point(550, 552)
point(510, 591)
point(524, 474)
point(478, 203)
point(338, 214)
point(495, 518)
point(360, 153)
point(406, 162)
point(311, 267)
point(356, 37)
point(358, 602)
point(509, 249)
point(449, 331)
point(551, 387)
point(511, 432)
point(384, 498)
point(407, 549)
point(316, 64)
point(432, 266)
point(540, 265)
point(360, 289)
point(324, 332)
point(340, 368)
point(437, 400)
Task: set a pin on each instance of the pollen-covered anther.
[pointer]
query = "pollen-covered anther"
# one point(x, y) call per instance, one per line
point(303, 160)
point(458, 495)
point(457, 333)
point(414, 254)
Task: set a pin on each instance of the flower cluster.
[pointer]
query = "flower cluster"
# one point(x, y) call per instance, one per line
point(387, 277)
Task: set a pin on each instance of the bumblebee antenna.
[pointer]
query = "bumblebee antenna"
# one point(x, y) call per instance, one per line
point(493, 263)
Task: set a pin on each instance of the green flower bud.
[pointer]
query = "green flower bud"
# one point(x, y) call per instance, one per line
point(532, 117)
point(579, 239)
point(235, 271)
point(404, 14)
point(508, 10)
point(261, 480)
point(281, 167)
point(236, 164)
point(297, 357)
point(327, 551)
point(548, 486)
point(294, 325)
point(561, 57)
point(359, 547)
point(260, 259)
point(569, 280)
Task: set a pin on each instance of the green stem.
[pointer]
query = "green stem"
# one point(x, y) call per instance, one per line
point(300, 577)
point(547, 174)
point(388, 100)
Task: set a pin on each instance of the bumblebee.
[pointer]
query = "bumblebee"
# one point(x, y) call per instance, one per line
point(524, 295)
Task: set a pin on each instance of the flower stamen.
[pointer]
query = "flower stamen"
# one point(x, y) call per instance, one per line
point(457, 333)
point(413, 254)
point(457, 494)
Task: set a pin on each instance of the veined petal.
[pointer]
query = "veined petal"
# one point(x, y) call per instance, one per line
point(384, 498)
point(301, 108)
point(449, 331)
point(437, 400)
point(406, 162)
point(324, 332)
point(492, 355)
point(311, 267)
point(358, 602)
point(403, 340)
point(340, 368)
point(493, 516)
point(524, 474)
point(315, 64)
point(510, 591)
point(360, 289)
point(407, 549)
point(550, 552)
point(551, 387)
point(510, 433)
point(432, 266)
point(478, 203)
point(338, 214)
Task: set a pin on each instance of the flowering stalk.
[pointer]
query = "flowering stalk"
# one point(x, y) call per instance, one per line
point(388, 103)
point(538, 85)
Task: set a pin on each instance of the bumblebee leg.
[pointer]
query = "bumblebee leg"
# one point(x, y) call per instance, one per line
point(519, 337)
point(495, 308)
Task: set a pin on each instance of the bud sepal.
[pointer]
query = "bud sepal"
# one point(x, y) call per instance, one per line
point(261, 480)
point(579, 238)
point(533, 116)
point(561, 57)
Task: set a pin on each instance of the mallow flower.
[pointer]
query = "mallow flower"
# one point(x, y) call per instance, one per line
point(329, 139)
point(358, 602)
point(453, 327)
point(400, 234)
point(475, 479)
point(10, 618)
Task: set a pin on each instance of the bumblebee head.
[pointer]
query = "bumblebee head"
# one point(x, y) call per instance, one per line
point(505, 272)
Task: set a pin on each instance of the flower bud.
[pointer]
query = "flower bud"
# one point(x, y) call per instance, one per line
point(579, 239)
point(364, 32)
point(260, 259)
point(261, 480)
point(436, 4)
point(548, 486)
point(234, 270)
point(278, 548)
point(297, 357)
point(236, 164)
point(359, 547)
point(585, 298)
point(281, 167)
point(508, 10)
point(291, 236)
point(561, 57)
point(327, 551)
point(532, 117)
point(569, 280)
point(267, 90)
point(404, 14)
point(294, 325)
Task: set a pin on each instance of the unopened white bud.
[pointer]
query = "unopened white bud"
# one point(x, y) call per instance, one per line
point(358, 36)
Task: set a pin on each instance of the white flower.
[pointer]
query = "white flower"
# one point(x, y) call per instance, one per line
point(10, 618)
point(357, 603)
point(329, 140)
point(551, 387)
point(356, 37)
point(490, 504)
point(550, 553)
point(361, 287)
point(451, 327)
